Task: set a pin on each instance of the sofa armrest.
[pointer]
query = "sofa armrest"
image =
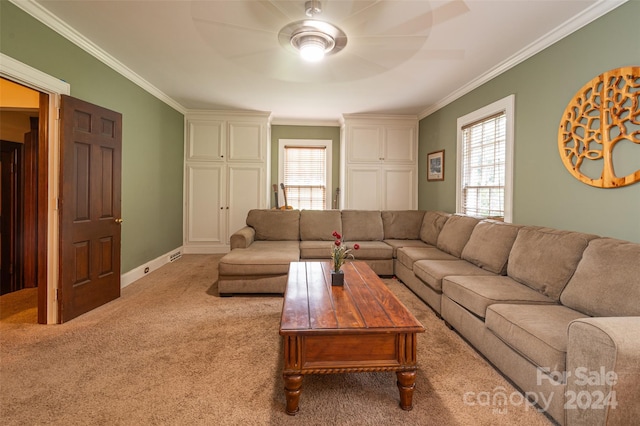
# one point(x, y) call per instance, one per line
point(603, 371)
point(243, 238)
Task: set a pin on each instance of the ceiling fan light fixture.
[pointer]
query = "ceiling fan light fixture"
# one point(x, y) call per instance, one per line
point(312, 39)
point(312, 48)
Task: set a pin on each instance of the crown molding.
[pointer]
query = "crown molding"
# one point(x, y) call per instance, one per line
point(589, 15)
point(284, 121)
point(207, 113)
point(56, 24)
point(370, 116)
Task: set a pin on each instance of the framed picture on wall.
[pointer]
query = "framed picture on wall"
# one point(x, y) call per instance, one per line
point(435, 165)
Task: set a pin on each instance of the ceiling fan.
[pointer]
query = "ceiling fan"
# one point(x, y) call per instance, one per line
point(359, 38)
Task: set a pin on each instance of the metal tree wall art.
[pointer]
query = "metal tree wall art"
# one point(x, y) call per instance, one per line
point(603, 115)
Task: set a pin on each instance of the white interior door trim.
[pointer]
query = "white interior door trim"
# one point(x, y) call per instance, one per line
point(26, 75)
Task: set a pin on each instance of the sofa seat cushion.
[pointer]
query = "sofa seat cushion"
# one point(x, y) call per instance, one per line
point(319, 225)
point(409, 255)
point(371, 250)
point(260, 258)
point(537, 332)
point(315, 249)
point(477, 293)
point(396, 244)
point(433, 271)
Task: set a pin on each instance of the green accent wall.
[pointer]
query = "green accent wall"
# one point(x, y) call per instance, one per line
point(306, 132)
point(152, 134)
point(545, 193)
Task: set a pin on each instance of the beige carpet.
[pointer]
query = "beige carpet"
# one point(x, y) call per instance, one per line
point(170, 351)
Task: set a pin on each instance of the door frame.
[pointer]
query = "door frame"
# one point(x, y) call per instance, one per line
point(26, 75)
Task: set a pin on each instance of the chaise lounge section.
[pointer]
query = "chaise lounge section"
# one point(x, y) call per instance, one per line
point(557, 312)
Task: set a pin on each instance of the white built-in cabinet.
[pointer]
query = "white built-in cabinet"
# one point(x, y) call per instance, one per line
point(227, 165)
point(379, 165)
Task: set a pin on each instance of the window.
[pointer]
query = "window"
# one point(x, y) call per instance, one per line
point(485, 161)
point(305, 171)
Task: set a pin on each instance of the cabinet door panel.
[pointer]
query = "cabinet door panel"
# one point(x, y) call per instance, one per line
point(245, 141)
point(205, 140)
point(363, 188)
point(400, 145)
point(399, 189)
point(205, 195)
point(246, 192)
point(365, 144)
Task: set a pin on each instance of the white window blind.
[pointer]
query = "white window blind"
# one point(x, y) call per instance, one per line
point(483, 167)
point(305, 177)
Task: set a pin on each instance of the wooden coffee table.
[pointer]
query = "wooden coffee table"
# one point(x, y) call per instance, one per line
point(359, 327)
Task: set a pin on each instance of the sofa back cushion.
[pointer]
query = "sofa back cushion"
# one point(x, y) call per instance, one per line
point(275, 225)
point(455, 233)
point(490, 244)
point(318, 225)
point(402, 224)
point(362, 225)
point(544, 258)
point(607, 280)
point(432, 224)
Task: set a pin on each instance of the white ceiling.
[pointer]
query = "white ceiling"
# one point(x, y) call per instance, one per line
point(402, 57)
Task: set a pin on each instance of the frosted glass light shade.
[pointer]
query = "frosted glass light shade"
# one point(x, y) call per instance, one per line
point(312, 48)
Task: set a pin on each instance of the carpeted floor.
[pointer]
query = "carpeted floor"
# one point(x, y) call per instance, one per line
point(170, 351)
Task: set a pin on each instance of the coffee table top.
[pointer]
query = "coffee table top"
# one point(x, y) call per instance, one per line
point(364, 304)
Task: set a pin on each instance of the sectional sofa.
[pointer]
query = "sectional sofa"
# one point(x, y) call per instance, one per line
point(557, 312)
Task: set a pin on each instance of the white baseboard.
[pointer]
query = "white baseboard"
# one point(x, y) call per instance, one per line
point(142, 270)
point(205, 249)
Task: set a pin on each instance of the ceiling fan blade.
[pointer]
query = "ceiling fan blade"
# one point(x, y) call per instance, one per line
point(279, 7)
point(389, 18)
point(274, 63)
point(233, 27)
point(440, 55)
point(423, 23)
point(449, 11)
point(353, 67)
point(246, 15)
point(360, 8)
point(420, 24)
point(238, 40)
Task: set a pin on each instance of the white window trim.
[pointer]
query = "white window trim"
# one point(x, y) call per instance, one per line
point(314, 143)
point(506, 105)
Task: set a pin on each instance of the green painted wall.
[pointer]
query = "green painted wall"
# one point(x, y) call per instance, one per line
point(544, 191)
point(306, 132)
point(152, 139)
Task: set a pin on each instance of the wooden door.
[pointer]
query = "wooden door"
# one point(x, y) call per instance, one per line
point(90, 160)
point(11, 215)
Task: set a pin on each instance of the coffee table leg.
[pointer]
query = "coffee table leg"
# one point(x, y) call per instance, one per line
point(406, 385)
point(292, 390)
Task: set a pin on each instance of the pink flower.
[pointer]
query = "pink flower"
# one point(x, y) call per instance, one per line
point(337, 243)
point(356, 246)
